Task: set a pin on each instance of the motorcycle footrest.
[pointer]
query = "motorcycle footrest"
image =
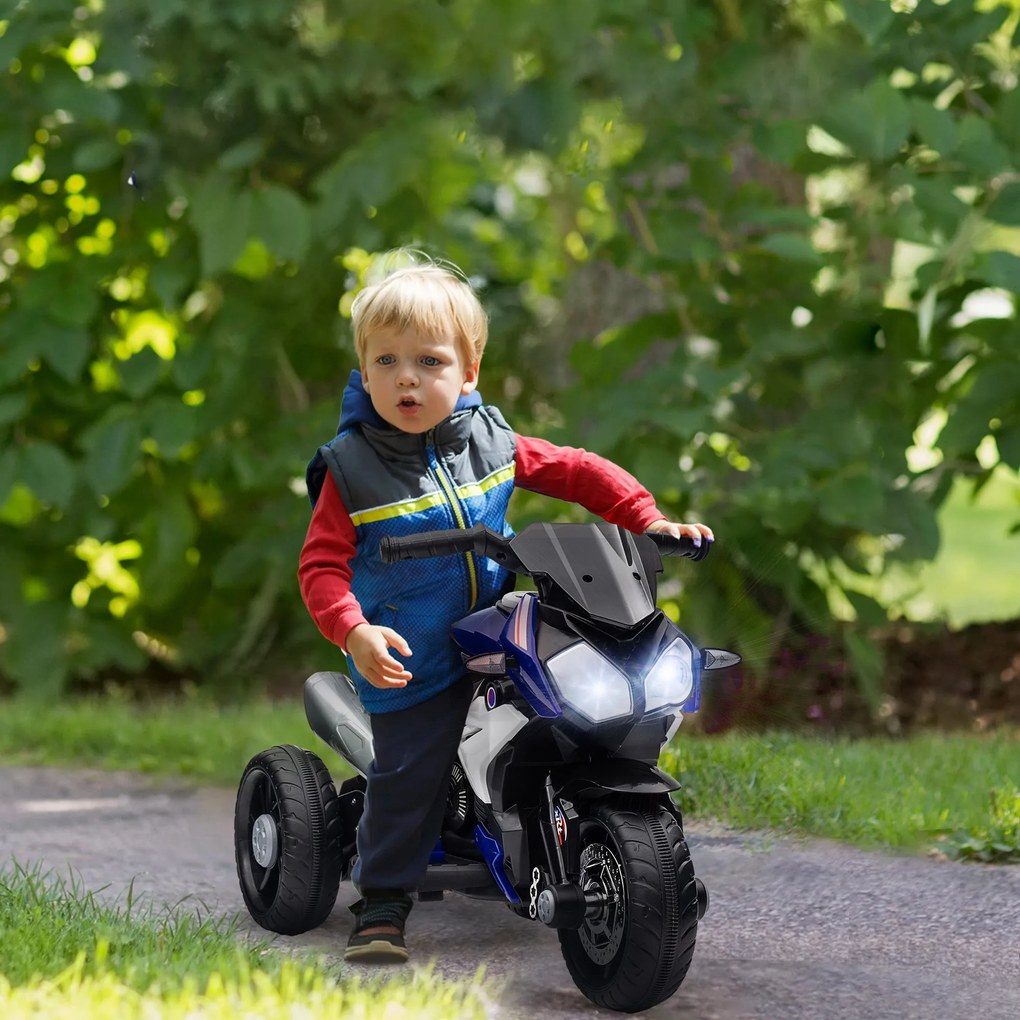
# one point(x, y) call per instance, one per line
point(455, 876)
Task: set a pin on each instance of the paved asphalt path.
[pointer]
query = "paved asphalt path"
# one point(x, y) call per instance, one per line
point(796, 929)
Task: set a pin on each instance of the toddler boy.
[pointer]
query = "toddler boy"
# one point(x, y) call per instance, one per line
point(417, 451)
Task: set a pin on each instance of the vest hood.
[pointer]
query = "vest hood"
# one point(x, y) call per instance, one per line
point(356, 409)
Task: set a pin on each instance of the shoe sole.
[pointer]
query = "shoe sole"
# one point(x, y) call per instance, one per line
point(377, 951)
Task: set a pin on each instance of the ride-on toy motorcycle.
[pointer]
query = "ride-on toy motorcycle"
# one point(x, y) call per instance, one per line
point(556, 804)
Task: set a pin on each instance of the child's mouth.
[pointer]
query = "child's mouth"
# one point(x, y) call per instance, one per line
point(408, 405)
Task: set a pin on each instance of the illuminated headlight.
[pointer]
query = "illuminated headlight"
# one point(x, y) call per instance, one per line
point(590, 684)
point(670, 681)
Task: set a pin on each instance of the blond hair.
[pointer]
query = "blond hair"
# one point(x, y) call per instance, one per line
point(432, 298)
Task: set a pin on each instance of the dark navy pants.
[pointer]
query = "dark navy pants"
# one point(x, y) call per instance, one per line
point(408, 781)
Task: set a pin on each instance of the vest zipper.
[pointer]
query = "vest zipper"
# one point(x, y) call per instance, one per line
point(446, 484)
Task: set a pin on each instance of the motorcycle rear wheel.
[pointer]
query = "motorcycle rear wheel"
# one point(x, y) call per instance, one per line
point(638, 950)
point(287, 840)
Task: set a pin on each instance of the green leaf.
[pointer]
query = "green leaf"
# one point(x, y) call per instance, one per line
point(12, 407)
point(867, 663)
point(96, 154)
point(8, 473)
point(283, 222)
point(1006, 207)
point(978, 148)
point(869, 612)
point(103, 644)
point(1007, 439)
point(141, 372)
point(871, 19)
point(792, 247)
point(85, 102)
point(244, 154)
point(853, 498)
point(912, 515)
point(33, 654)
point(873, 123)
point(14, 145)
point(65, 348)
point(171, 424)
point(223, 221)
point(999, 269)
point(48, 472)
point(936, 128)
point(112, 451)
point(942, 209)
point(168, 531)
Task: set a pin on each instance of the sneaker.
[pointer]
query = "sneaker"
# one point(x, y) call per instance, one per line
point(378, 935)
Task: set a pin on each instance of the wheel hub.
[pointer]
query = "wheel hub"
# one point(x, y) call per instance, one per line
point(602, 876)
point(265, 841)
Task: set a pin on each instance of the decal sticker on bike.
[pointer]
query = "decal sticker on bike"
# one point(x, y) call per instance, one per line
point(561, 826)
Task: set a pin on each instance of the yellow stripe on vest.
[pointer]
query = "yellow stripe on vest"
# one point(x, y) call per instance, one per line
point(498, 477)
point(401, 509)
point(413, 506)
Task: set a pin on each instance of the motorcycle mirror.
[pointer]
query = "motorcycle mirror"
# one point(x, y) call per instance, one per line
point(718, 658)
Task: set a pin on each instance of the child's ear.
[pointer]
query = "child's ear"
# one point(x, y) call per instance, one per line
point(364, 377)
point(470, 378)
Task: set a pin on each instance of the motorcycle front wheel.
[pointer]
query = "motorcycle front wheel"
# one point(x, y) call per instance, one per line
point(637, 950)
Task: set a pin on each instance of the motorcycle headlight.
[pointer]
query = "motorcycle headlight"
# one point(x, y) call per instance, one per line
point(590, 684)
point(670, 681)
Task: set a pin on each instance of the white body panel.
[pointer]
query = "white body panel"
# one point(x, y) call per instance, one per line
point(486, 733)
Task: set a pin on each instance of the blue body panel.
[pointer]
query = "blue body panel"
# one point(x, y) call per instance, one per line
point(493, 854)
point(480, 632)
point(519, 640)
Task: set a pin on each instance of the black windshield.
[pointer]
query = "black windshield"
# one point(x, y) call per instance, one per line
point(599, 567)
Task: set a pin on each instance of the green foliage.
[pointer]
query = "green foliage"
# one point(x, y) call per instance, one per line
point(998, 838)
point(734, 247)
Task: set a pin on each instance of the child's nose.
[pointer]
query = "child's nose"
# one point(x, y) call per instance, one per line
point(407, 374)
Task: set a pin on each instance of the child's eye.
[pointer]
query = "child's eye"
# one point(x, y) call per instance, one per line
point(428, 361)
point(385, 359)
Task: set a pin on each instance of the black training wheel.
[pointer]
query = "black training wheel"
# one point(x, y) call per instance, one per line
point(287, 840)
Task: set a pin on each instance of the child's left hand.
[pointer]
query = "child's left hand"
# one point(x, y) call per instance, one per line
point(695, 532)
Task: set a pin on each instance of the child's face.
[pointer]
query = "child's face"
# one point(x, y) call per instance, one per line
point(414, 381)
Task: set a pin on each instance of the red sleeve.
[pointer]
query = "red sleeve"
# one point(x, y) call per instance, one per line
point(324, 571)
point(597, 484)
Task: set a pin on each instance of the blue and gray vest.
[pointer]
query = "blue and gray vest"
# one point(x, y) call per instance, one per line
point(459, 474)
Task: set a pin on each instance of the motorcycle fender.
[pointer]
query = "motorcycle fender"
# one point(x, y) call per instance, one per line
point(596, 780)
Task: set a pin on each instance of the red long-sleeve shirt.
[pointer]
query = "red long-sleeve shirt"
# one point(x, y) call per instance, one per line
point(564, 472)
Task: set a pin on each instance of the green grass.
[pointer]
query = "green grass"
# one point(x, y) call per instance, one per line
point(879, 792)
point(181, 737)
point(65, 955)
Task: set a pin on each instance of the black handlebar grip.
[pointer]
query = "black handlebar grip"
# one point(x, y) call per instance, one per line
point(425, 545)
point(671, 546)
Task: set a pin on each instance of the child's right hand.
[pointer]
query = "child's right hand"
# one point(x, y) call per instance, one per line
point(368, 646)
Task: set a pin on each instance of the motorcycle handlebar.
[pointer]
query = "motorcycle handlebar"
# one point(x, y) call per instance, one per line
point(670, 546)
point(479, 539)
point(484, 541)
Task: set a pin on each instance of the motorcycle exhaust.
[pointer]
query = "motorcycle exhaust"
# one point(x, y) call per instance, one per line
point(336, 717)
